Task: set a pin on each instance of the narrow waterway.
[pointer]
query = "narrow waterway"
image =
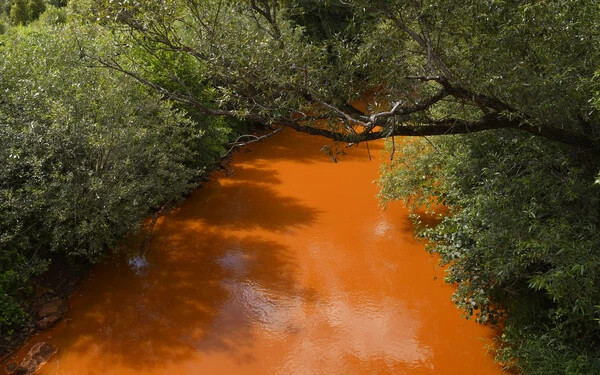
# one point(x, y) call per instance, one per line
point(283, 265)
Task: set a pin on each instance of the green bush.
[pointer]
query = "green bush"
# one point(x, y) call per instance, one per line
point(19, 13)
point(53, 16)
point(87, 153)
point(15, 271)
point(35, 8)
point(12, 316)
point(521, 240)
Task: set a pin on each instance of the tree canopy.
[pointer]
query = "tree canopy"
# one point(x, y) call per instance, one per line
point(86, 155)
point(437, 67)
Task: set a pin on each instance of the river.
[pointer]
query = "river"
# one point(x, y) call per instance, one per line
point(284, 264)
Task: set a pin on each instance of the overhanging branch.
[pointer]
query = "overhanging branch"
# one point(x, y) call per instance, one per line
point(448, 127)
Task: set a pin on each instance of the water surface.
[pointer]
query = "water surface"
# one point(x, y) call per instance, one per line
point(283, 265)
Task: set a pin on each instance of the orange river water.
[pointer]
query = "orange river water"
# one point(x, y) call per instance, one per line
point(283, 265)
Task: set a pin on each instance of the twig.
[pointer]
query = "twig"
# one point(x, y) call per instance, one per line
point(255, 138)
point(432, 145)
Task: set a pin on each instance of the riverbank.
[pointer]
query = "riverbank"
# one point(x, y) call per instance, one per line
point(263, 272)
point(51, 291)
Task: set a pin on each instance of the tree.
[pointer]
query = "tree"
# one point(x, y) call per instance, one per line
point(36, 8)
point(521, 242)
point(446, 68)
point(19, 14)
point(86, 156)
point(5, 6)
point(58, 3)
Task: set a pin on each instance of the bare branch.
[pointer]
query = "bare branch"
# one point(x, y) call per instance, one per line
point(253, 139)
point(341, 114)
point(398, 110)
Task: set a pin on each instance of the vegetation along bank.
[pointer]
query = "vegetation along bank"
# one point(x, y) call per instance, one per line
point(109, 109)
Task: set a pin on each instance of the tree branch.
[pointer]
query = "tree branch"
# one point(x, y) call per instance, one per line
point(460, 92)
point(451, 126)
point(268, 13)
point(398, 110)
point(253, 139)
point(423, 43)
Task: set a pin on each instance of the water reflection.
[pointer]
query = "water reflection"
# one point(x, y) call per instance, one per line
point(283, 265)
point(385, 333)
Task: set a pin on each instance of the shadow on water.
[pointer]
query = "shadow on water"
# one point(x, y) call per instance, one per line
point(252, 175)
point(405, 225)
point(246, 206)
point(203, 285)
point(301, 148)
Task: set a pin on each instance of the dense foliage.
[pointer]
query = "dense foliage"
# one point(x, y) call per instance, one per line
point(86, 155)
point(521, 239)
point(267, 63)
point(522, 236)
